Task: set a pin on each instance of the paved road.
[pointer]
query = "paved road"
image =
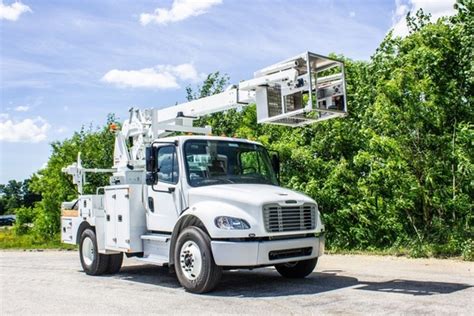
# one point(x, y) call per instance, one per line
point(52, 282)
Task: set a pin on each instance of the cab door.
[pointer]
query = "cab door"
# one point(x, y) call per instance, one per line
point(165, 196)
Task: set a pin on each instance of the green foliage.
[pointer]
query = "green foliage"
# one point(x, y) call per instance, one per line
point(16, 194)
point(25, 217)
point(96, 147)
point(398, 172)
point(10, 240)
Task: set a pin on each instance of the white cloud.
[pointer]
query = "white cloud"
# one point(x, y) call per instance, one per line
point(182, 71)
point(22, 108)
point(28, 130)
point(352, 14)
point(180, 10)
point(13, 11)
point(62, 130)
point(158, 77)
point(437, 9)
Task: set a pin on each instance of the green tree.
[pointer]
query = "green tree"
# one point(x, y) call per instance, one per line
point(10, 196)
point(16, 194)
point(96, 147)
point(398, 170)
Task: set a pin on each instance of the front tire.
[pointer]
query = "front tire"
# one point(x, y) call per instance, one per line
point(194, 264)
point(93, 262)
point(298, 269)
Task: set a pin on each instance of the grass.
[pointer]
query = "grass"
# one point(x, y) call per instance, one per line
point(417, 251)
point(9, 240)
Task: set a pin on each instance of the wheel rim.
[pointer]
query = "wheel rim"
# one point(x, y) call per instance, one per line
point(190, 260)
point(88, 251)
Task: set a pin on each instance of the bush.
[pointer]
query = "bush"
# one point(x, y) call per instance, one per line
point(467, 250)
point(25, 216)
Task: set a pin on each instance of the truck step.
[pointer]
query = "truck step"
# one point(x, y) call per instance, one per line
point(154, 259)
point(156, 237)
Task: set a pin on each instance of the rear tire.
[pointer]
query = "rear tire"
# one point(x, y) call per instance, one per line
point(93, 262)
point(194, 264)
point(298, 269)
point(115, 263)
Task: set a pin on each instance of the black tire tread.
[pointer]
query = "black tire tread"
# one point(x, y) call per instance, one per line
point(301, 270)
point(115, 263)
point(99, 266)
point(214, 272)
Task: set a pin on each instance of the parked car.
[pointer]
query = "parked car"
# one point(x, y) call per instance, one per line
point(7, 220)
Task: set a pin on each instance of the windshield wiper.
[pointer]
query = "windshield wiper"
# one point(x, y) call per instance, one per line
point(222, 180)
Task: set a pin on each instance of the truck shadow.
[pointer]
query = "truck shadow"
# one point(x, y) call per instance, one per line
point(416, 288)
point(266, 282)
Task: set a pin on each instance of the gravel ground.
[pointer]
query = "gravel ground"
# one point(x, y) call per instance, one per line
point(53, 282)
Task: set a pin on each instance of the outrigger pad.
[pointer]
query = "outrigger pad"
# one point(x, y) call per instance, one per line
point(305, 89)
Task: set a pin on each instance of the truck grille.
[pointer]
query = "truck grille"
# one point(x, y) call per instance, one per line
point(289, 218)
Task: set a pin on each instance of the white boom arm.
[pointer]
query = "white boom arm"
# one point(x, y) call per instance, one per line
point(301, 90)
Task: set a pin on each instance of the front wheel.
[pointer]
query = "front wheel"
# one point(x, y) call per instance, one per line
point(93, 262)
point(194, 264)
point(298, 269)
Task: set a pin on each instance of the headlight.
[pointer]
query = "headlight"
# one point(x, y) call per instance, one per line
point(226, 222)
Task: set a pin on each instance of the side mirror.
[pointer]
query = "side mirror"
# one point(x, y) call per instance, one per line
point(150, 159)
point(150, 165)
point(276, 163)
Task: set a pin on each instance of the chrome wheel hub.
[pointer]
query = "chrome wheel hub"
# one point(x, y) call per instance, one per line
point(88, 251)
point(190, 260)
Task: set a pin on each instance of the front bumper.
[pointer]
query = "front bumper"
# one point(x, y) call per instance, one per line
point(259, 253)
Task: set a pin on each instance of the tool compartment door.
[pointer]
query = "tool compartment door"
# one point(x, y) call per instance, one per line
point(122, 209)
point(110, 222)
point(124, 218)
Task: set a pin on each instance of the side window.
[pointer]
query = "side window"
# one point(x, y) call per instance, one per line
point(168, 165)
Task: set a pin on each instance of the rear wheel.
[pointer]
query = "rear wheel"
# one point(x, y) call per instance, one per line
point(93, 262)
point(115, 263)
point(195, 267)
point(297, 269)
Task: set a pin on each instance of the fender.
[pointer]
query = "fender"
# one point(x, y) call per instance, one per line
point(82, 227)
point(184, 221)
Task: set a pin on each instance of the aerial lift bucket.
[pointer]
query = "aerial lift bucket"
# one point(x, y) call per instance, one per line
point(301, 90)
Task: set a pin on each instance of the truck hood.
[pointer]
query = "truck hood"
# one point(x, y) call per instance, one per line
point(249, 194)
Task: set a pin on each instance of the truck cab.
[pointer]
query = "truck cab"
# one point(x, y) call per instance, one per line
point(231, 186)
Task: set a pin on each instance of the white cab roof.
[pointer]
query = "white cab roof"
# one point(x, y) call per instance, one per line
point(182, 139)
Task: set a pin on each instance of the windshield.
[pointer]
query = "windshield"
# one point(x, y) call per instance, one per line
point(210, 162)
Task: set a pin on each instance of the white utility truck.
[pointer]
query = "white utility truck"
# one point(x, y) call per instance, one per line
point(203, 204)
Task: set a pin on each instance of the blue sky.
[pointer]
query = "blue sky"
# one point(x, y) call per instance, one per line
point(67, 64)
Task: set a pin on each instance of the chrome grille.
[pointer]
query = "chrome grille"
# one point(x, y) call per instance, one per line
point(289, 218)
